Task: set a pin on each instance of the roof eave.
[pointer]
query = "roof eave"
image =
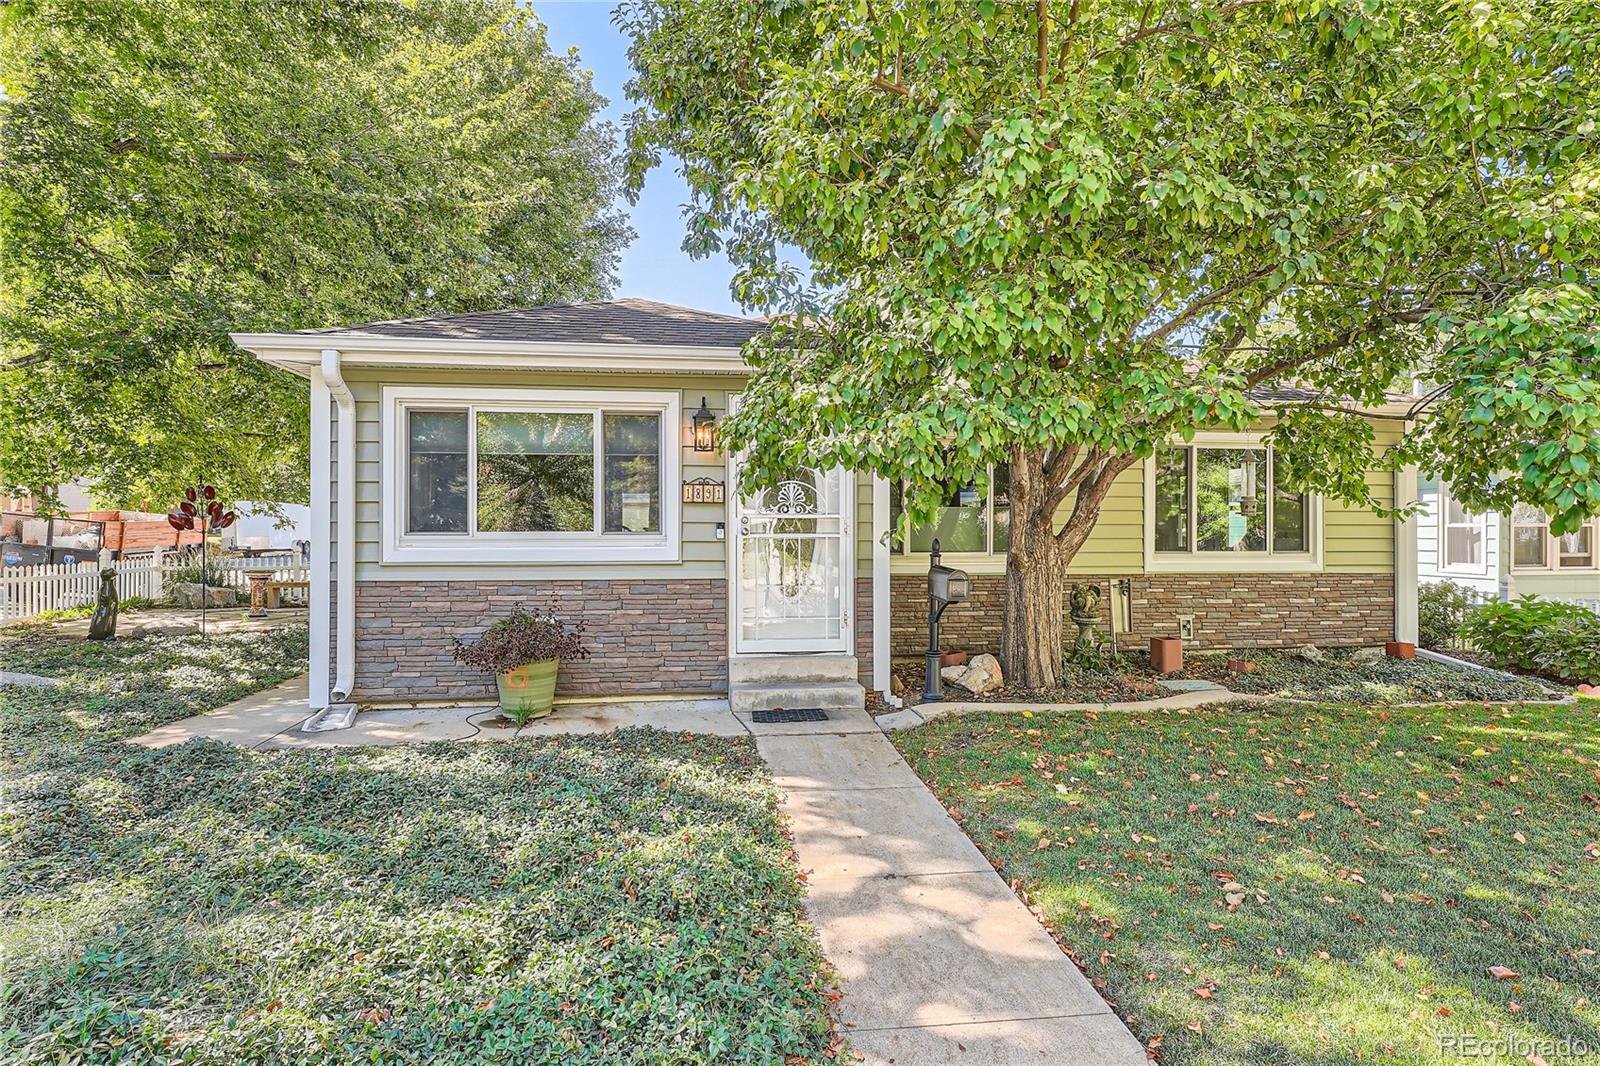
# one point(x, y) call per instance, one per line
point(300, 352)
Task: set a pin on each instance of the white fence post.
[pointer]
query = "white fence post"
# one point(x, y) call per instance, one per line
point(152, 588)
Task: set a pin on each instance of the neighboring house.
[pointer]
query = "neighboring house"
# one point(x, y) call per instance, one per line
point(465, 464)
point(29, 537)
point(264, 526)
point(1501, 557)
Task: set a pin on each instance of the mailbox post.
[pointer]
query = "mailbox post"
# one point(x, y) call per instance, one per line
point(946, 585)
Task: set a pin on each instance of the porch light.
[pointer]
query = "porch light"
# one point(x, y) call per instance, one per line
point(705, 428)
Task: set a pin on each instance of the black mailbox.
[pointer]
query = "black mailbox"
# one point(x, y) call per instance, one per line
point(948, 584)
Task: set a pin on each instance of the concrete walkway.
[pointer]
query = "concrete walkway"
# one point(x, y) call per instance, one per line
point(939, 961)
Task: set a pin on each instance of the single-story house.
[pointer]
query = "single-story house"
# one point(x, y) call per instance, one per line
point(468, 463)
point(1500, 556)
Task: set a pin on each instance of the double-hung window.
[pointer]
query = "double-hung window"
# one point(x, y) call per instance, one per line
point(530, 475)
point(1463, 536)
point(1221, 504)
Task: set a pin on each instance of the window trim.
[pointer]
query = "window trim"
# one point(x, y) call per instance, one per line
point(400, 546)
point(984, 562)
point(1228, 562)
point(1442, 526)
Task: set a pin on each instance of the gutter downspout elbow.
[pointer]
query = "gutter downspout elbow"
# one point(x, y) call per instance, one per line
point(344, 673)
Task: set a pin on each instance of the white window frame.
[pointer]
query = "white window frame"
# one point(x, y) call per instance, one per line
point(1552, 548)
point(984, 562)
point(401, 546)
point(1443, 534)
point(1229, 562)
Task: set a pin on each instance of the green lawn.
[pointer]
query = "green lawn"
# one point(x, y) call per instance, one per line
point(1378, 863)
point(622, 899)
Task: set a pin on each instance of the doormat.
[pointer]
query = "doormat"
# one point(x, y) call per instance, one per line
point(781, 715)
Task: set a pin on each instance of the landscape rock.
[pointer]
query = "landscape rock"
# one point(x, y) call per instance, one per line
point(979, 675)
point(1309, 652)
point(188, 595)
point(20, 680)
point(1367, 656)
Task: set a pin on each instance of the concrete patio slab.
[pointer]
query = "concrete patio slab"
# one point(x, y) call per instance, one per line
point(942, 949)
point(829, 761)
point(1098, 1038)
point(249, 722)
point(710, 716)
point(855, 720)
point(392, 727)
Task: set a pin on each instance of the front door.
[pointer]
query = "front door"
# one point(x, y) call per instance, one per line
point(792, 565)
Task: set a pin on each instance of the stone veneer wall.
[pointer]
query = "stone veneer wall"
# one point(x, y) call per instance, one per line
point(863, 622)
point(1230, 610)
point(645, 636)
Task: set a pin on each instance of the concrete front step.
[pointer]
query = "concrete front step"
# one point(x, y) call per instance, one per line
point(769, 669)
point(828, 695)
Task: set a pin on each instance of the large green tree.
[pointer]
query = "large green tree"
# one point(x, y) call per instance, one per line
point(1058, 234)
point(173, 170)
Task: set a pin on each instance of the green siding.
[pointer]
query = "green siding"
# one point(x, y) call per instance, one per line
point(701, 553)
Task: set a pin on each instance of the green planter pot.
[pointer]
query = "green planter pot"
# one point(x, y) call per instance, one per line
point(528, 691)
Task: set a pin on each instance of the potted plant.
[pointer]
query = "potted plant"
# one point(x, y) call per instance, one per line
point(524, 651)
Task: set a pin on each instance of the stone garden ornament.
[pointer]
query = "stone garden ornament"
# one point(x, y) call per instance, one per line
point(103, 623)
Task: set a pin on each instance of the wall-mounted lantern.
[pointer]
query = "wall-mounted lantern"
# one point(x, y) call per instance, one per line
point(705, 428)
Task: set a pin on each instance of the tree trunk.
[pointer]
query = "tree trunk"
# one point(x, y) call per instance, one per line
point(1030, 638)
point(1036, 567)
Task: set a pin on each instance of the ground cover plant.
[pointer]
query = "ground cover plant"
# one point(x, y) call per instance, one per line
point(1286, 883)
point(626, 898)
point(1336, 677)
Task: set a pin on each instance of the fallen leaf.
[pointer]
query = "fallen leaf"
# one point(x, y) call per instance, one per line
point(1503, 973)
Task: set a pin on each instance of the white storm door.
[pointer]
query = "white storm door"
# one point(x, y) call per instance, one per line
point(792, 565)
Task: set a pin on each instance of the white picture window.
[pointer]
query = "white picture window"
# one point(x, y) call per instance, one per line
point(972, 520)
point(1219, 502)
point(530, 475)
point(1463, 536)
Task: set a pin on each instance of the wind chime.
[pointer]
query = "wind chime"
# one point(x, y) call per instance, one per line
point(200, 505)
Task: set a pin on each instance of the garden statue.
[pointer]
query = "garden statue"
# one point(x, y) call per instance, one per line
point(1085, 610)
point(103, 624)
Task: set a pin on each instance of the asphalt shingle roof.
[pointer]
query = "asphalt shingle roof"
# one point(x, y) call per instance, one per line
point(625, 321)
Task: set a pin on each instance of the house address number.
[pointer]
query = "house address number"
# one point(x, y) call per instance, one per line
point(703, 490)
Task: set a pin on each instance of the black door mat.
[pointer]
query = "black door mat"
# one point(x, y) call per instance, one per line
point(782, 715)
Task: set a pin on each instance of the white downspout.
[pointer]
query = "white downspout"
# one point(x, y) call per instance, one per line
point(344, 672)
point(1405, 558)
point(880, 589)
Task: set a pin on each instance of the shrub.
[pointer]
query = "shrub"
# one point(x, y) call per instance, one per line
point(1558, 640)
point(523, 638)
point(191, 573)
point(1441, 608)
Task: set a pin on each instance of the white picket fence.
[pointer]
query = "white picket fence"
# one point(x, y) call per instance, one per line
point(26, 591)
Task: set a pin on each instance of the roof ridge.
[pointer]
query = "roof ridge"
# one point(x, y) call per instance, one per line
point(637, 302)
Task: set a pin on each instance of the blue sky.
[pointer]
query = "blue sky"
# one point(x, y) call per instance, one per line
point(653, 266)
